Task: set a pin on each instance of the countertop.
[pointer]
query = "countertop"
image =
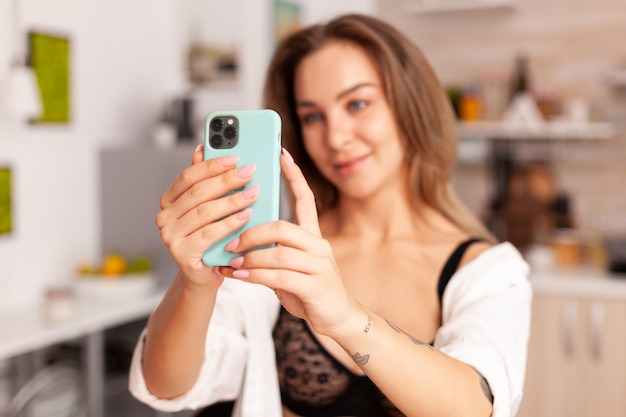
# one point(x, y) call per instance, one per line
point(28, 329)
point(581, 282)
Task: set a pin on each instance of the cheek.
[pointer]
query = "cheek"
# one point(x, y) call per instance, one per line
point(313, 146)
point(380, 130)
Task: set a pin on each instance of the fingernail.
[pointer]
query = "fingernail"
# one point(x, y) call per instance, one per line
point(229, 161)
point(250, 192)
point(241, 273)
point(200, 146)
point(246, 171)
point(236, 262)
point(232, 244)
point(288, 155)
point(244, 214)
point(218, 270)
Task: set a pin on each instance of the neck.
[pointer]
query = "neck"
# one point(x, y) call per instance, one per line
point(382, 218)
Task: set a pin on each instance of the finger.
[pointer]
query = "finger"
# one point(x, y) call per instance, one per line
point(198, 154)
point(196, 173)
point(194, 245)
point(282, 233)
point(207, 213)
point(281, 257)
point(205, 191)
point(276, 279)
point(305, 210)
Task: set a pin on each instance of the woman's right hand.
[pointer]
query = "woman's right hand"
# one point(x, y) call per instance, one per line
point(194, 215)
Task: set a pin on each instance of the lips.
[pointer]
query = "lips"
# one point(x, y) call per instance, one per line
point(350, 166)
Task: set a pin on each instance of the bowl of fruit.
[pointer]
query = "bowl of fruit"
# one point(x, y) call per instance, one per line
point(116, 278)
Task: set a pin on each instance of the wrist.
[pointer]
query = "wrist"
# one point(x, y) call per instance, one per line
point(357, 325)
point(202, 288)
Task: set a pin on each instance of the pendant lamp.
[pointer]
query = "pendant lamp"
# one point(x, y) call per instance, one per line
point(20, 99)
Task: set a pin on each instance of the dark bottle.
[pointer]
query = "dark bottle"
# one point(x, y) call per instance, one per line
point(520, 82)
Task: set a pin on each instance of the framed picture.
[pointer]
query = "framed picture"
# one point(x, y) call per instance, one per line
point(214, 40)
point(6, 218)
point(287, 18)
point(50, 58)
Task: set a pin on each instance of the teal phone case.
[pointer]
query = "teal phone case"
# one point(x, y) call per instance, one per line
point(258, 142)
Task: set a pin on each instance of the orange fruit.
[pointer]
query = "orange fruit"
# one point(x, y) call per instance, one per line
point(114, 264)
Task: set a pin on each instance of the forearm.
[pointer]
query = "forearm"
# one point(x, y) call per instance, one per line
point(417, 378)
point(175, 342)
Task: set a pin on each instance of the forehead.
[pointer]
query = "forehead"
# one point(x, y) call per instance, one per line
point(333, 68)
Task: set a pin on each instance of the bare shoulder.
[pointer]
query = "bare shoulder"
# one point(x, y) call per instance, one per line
point(474, 250)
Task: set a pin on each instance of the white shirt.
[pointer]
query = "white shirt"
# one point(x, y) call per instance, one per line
point(486, 311)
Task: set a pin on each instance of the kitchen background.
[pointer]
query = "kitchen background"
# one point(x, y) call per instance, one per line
point(572, 50)
point(128, 61)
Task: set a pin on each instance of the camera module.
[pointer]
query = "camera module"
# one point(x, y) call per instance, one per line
point(223, 132)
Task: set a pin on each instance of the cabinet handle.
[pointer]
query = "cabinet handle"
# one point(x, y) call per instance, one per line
point(597, 327)
point(570, 320)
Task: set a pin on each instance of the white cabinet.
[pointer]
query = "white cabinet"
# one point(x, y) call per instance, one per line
point(576, 363)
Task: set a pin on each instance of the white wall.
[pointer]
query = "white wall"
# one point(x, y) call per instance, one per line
point(124, 63)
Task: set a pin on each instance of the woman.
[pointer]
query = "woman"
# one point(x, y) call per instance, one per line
point(384, 297)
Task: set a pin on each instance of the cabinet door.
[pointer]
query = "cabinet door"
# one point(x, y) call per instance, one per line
point(605, 365)
point(576, 359)
point(554, 367)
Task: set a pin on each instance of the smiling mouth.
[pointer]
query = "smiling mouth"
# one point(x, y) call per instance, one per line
point(350, 166)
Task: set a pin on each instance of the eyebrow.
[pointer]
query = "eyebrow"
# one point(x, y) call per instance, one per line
point(342, 94)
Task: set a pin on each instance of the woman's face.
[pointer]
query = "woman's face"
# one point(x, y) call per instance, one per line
point(347, 125)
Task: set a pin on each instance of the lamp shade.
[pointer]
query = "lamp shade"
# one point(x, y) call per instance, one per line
point(20, 99)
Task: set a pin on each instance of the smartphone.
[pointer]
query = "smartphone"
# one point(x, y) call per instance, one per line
point(254, 136)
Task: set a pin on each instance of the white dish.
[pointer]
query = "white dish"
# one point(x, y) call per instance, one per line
point(95, 288)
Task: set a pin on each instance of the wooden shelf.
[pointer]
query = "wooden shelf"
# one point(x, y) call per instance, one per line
point(542, 131)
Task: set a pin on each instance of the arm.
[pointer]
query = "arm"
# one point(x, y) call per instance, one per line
point(418, 379)
point(175, 341)
point(192, 218)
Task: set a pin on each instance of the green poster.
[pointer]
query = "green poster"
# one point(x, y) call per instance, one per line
point(5, 201)
point(50, 59)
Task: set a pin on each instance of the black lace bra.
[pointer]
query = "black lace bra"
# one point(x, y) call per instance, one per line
point(315, 384)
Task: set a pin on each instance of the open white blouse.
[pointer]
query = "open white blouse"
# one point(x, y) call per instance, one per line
point(485, 323)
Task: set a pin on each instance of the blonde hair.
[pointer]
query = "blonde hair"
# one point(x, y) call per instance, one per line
point(421, 107)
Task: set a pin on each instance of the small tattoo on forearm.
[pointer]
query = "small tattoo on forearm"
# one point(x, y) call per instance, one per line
point(367, 325)
point(360, 360)
point(414, 340)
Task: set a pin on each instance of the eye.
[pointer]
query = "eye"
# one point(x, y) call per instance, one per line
point(310, 118)
point(357, 104)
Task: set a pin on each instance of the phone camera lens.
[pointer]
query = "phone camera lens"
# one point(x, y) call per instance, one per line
point(230, 132)
point(216, 141)
point(217, 124)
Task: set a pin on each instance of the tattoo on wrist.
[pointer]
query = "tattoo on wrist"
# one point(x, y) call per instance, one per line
point(367, 325)
point(414, 340)
point(360, 360)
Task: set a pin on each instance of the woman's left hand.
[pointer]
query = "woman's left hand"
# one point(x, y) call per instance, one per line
point(301, 269)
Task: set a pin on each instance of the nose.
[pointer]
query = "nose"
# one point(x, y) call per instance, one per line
point(338, 132)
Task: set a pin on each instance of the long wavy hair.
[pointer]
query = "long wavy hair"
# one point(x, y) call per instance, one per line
point(421, 107)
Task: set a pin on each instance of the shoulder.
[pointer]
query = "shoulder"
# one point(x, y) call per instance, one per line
point(492, 265)
point(474, 251)
point(486, 255)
